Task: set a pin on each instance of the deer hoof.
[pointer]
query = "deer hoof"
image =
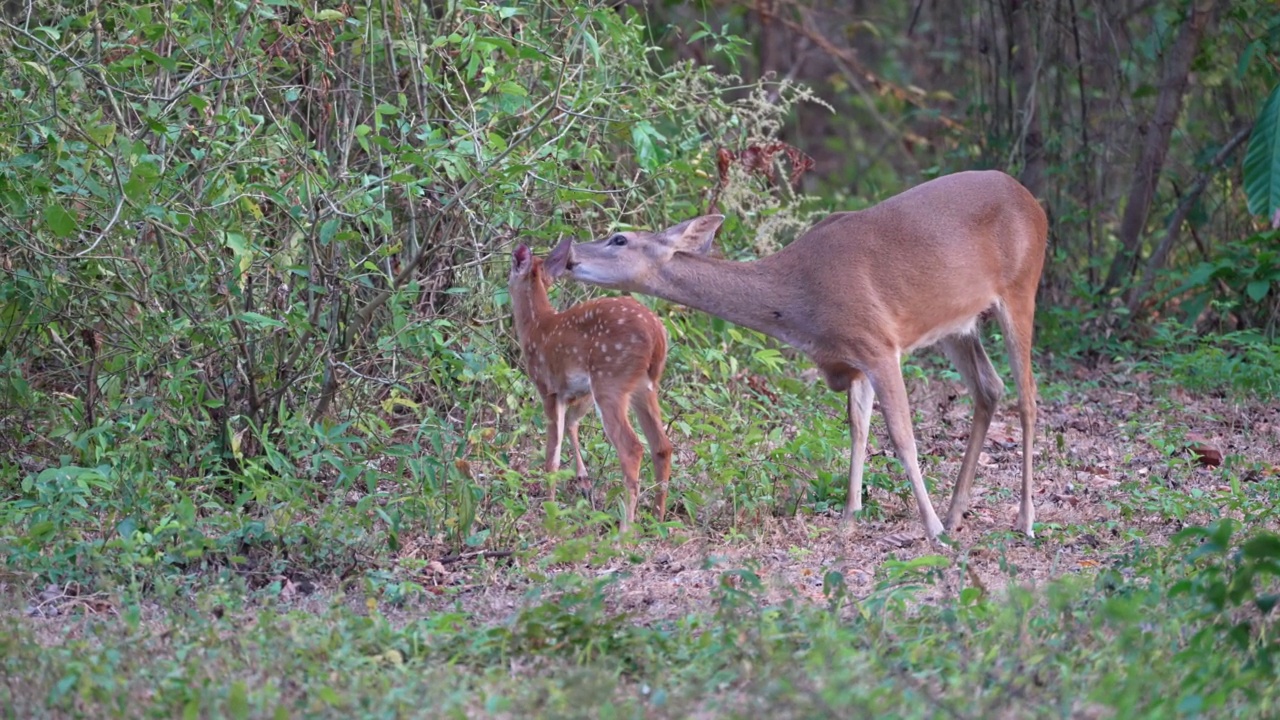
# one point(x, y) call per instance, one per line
point(1025, 525)
point(586, 490)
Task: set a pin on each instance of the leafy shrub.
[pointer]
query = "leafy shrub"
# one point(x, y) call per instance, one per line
point(255, 255)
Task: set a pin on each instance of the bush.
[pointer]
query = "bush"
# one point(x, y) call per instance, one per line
point(254, 255)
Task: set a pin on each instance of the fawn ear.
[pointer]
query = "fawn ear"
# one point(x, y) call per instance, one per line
point(693, 236)
point(557, 263)
point(520, 256)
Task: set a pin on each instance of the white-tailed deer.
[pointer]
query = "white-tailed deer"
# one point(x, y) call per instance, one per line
point(610, 350)
point(858, 290)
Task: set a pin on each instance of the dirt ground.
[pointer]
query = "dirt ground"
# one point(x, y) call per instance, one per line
point(1089, 442)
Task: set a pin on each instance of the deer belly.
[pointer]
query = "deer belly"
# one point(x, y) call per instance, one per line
point(575, 385)
point(962, 326)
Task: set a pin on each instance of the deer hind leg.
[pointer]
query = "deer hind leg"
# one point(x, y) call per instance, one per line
point(554, 407)
point(860, 398)
point(613, 412)
point(645, 403)
point(1018, 324)
point(986, 389)
point(886, 378)
point(573, 416)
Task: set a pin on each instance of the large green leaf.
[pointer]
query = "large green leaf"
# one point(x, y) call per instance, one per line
point(1262, 161)
point(59, 220)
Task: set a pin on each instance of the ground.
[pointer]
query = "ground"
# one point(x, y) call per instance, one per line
point(1096, 442)
point(1124, 461)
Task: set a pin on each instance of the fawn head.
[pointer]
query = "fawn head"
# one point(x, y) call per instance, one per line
point(525, 267)
point(628, 260)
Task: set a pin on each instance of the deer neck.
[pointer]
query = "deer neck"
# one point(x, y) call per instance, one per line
point(756, 295)
point(531, 307)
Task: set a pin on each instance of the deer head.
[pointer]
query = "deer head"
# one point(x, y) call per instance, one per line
point(633, 261)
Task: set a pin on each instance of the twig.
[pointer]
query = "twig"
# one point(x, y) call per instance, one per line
point(365, 314)
point(1173, 230)
point(487, 554)
point(849, 68)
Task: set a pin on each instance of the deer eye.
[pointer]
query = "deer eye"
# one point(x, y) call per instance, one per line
point(617, 240)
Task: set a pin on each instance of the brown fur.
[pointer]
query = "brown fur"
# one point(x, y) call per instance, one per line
point(860, 289)
point(611, 351)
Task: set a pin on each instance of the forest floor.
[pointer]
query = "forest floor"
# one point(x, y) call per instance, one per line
point(1124, 462)
point(1119, 463)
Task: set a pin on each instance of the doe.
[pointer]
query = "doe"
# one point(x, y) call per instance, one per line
point(861, 289)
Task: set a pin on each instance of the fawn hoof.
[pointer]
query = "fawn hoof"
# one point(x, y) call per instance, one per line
point(1025, 527)
point(586, 490)
point(933, 531)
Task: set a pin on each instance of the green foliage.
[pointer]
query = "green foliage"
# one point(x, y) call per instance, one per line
point(1197, 620)
point(1244, 362)
point(254, 256)
point(1241, 282)
point(1262, 160)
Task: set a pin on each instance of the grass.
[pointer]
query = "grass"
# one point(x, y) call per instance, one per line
point(1141, 639)
point(405, 570)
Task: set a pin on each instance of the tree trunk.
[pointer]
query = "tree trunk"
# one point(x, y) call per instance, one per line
point(771, 39)
point(1025, 71)
point(1146, 176)
point(1174, 228)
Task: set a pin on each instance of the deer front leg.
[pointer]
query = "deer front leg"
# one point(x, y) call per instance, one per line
point(554, 408)
point(860, 399)
point(892, 391)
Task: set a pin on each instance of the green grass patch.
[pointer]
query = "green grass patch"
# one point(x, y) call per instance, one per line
point(1182, 631)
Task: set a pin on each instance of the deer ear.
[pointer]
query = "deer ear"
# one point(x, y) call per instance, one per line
point(558, 261)
point(520, 255)
point(694, 236)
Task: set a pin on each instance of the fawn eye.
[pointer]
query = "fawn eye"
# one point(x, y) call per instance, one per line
point(618, 240)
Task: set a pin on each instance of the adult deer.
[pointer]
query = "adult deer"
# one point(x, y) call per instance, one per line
point(858, 290)
point(610, 351)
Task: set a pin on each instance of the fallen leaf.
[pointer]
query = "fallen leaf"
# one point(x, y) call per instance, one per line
point(899, 540)
point(1059, 498)
point(761, 386)
point(1101, 483)
point(1206, 453)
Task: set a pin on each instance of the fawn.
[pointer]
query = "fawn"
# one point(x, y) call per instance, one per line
point(610, 351)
